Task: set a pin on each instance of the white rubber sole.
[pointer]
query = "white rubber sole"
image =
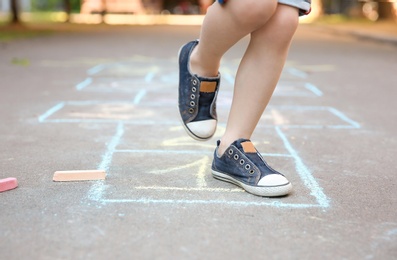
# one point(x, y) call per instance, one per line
point(192, 135)
point(264, 191)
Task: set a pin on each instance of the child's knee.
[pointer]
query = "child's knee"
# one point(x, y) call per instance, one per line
point(286, 19)
point(254, 12)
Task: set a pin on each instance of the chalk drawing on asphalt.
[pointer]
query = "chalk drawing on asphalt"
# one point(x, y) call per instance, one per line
point(142, 81)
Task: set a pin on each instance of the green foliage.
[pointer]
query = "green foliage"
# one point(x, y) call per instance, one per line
point(54, 5)
point(7, 35)
point(75, 4)
point(20, 62)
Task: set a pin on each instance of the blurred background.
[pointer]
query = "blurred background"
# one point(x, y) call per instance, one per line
point(81, 88)
point(122, 11)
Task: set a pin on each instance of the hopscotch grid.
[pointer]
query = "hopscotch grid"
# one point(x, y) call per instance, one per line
point(309, 180)
point(97, 190)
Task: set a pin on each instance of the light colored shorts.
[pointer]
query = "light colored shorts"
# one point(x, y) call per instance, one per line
point(302, 5)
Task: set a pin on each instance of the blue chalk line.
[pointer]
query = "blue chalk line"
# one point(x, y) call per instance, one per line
point(313, 89)
point(304, 173)
point(96, 191)
point(84, 84)
point(276, 204)
point(51, 111)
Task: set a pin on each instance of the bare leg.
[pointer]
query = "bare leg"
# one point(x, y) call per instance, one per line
point(271, 27)
point(259, 73)
point(223, 27)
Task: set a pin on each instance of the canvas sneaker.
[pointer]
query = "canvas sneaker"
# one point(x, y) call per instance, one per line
point(196, 98)
point(243, 165)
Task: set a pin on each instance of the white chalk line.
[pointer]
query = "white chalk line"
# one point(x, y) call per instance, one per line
point(200, 176)
point(314, 89)
point(308, 180)
point(162, 188)
point(84, 84)
point(107, 158)
point(343, 117)
point(297, 73)
point(96, 69)
point(139, 96)
point(96, 191)
point(51, 111)
point(276, 204)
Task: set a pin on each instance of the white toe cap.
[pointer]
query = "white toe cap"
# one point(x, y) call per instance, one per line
point(273, 180)
point(203, 129)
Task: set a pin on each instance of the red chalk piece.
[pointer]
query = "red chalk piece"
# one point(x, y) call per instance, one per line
point(86, 175)
point(8, 184)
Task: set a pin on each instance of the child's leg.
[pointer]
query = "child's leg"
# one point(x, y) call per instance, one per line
point(223, 26)
point(259, 73)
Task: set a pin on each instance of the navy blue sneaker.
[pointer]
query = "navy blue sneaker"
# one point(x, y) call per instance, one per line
point(242, 165)
point(196, 98)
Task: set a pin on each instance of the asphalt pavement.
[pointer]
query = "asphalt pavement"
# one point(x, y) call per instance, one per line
point(101, 97)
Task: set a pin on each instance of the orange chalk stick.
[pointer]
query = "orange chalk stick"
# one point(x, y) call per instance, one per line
point(8, 184)
point(86, 175)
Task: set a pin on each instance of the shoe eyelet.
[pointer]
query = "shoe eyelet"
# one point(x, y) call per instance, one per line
point(247, 166)
point(236, 157)
point(251, 172)
point(192, 103)
point(191, 110)
point(194, 89)
point(230, 151)
point(242, 161)
point(192, 96)
point(194, 82)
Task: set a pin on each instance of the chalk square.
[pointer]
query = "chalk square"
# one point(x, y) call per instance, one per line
point(109, 112)
point(187, 178)
point(183, 176)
